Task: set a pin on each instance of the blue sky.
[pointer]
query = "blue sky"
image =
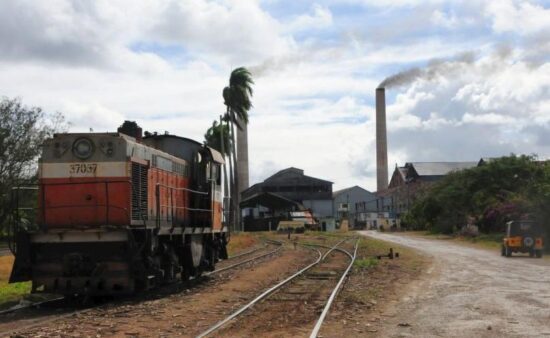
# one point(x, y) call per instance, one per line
point(316, 66)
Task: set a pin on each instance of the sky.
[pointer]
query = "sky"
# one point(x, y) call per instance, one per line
point(480, 85)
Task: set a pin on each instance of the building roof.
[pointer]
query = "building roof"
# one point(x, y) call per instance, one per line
point(294, 172)
point(343, 191)
point(438, 168)
point(269, 200)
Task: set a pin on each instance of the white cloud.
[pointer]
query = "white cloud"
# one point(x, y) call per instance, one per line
point(490, 118)
point(164, 64)
point(450, 20)
point(522, 17)
point(239, 31)
point(320, 18)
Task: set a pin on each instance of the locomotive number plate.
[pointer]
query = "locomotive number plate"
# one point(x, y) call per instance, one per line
point(83, 168)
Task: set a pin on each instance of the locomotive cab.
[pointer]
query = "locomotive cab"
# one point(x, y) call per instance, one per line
point(118, 213)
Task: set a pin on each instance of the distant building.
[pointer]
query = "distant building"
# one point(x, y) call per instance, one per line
point(272, 200)
point(346, 203)
point(407, 181)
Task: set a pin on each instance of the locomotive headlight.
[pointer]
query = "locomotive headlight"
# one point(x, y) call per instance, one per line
point(83, 148)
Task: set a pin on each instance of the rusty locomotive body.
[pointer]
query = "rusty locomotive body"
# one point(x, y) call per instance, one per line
point(118, 213)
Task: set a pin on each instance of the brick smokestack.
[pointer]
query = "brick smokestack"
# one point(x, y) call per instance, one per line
point(381, 141)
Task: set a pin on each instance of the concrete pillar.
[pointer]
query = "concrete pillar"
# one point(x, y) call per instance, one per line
point(242, 157)
point(381, 141)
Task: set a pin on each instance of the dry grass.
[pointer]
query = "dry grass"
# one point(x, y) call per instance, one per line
point(242, 241)
point(372, 285)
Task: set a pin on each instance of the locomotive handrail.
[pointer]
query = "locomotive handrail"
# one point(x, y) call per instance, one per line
point(191, 209)
point(43, 207)
point(172, 203)
point(185, 189)
point(86, 182)
point(107, 206)
point(15, 221)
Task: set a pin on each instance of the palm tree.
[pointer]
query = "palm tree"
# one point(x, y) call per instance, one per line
point(237, 98)
point(217, 137)
point(214, 135)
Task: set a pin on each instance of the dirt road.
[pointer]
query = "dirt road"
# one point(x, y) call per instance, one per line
point(470, 293)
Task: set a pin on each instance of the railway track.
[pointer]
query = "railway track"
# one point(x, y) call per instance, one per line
point(243, 258)
point(295, 301)
point(269, 248)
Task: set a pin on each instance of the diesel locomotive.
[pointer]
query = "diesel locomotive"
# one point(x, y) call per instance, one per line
point(119, 212)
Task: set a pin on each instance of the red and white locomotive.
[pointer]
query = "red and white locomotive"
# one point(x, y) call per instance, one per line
point(119, 213)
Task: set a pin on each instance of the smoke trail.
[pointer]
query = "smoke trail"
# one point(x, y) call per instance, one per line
point(276, 64)
point(435, 67)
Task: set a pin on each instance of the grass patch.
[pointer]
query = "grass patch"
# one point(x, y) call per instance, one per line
point(10, 294)
point(489, 241)
point(365, 263)
point(374, 281)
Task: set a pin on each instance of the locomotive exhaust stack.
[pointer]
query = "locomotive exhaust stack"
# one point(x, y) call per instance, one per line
point(131, 128)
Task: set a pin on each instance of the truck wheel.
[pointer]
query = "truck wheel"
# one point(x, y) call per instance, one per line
point(508, 252)
point(538, 253)
point(532, 253)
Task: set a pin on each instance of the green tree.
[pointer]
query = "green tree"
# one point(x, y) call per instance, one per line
point(217, 137)
point(493, 193)
point(217, 134)
point(238, 101)
point(22, 132)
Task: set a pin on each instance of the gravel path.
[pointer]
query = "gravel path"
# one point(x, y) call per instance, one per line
point(470, 292)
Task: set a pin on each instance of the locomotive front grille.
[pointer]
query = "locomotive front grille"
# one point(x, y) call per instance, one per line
point(139, 191)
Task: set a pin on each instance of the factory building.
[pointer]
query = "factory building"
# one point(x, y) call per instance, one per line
point(347, 201)
point(264, 204)
point(409, 180)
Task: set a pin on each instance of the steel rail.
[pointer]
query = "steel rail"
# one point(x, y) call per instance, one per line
point(280, 246)
point(240, 254)
point(321, 319)
point(43, 320)
point(269, 291)
point(16, 308)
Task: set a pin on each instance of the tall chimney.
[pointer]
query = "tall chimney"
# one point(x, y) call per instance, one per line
point(381, 141)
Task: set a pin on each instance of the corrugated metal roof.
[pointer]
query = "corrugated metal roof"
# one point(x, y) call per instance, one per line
point(341, 191)
point(439, 168)
point(281, 174)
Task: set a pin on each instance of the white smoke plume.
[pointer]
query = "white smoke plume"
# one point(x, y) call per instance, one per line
point(435, 68)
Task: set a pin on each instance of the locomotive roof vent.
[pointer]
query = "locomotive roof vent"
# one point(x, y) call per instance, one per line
point(132, 129)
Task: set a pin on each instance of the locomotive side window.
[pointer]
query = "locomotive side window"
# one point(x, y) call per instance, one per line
point(169, 165)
